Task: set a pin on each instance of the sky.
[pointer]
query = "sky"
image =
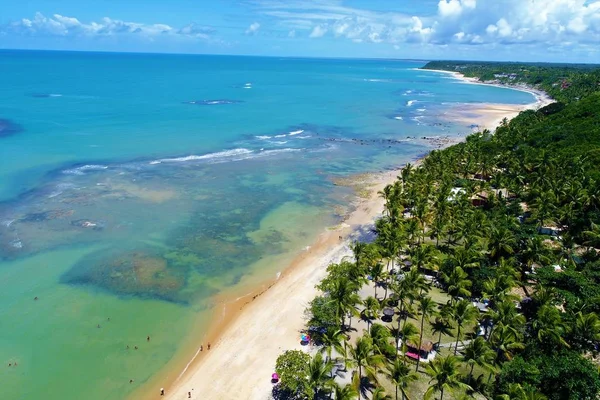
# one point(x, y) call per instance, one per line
point(502, 30)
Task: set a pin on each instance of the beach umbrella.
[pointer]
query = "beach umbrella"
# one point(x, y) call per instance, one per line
point(388, 312)
point(275, 376)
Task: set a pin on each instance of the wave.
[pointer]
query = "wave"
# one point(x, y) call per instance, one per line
point(399, 118)
point(278, 142)
point(421, 110)
point(304, 137)
point(212, 102)
point(45, 95)
point(263, 137)
point(410, 103)
point(81, 170)
point(209, 156)
point(279, 136)
point(278, 151)
point(296, 132)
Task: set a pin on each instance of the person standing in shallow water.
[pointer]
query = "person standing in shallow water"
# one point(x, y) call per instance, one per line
point(162, 391)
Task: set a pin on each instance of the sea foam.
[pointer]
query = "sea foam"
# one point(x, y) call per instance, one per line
point(81, 170)
point(209, 156)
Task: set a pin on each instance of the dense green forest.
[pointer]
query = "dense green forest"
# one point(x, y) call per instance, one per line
point(563, 82)
point(486, 256)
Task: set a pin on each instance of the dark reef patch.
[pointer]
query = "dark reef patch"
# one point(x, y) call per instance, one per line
point(8, 128)
point(141, 273)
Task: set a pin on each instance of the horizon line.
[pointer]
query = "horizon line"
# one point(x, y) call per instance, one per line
point(289, 57)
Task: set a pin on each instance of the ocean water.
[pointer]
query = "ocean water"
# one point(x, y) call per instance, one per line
point(135, 188)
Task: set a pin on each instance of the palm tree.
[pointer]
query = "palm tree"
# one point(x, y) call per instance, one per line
point(401, 376)
point(442, 326)
point(376, 271)
point(445, 376)
point(534, 252)
point(333, 339)
point(426, 307)
point(371, 309)
point(408, 333)
point(548, 327)
point(518, 392)
point(505, 340)
point(344, 298)
point(506, 313)
point(346, 392)
point(501, 242)
point(478, 353)
point(457, 284)
point(364, 358)
point(380, 394)
point(463, 313)
point(587, 328)
point(319, 375)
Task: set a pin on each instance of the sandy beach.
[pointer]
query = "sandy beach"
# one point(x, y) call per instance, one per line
point(489, 115)
point(262, 325)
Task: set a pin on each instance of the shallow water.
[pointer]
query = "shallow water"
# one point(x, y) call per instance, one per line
point(136, 187)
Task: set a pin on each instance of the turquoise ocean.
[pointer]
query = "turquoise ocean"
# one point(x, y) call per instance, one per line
point(134, 188)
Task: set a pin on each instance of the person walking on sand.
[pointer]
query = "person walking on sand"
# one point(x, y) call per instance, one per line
point(208, 346)
point(201, 348)
point(189, 395)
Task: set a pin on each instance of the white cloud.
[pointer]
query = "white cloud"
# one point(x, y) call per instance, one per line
point(59, 25)
point(253, 28)
point(546, 23)
point(318, 31)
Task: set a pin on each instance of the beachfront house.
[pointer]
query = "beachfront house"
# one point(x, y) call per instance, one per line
point(426, 353)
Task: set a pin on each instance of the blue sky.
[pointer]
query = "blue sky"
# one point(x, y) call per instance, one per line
point(526, 30)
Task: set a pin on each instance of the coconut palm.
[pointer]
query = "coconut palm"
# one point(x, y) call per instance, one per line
point(501, 242)
point(463, 313)
point(548, 327)
point(506, 313)
point(518, 392)
point(426, 307)
point(377, 272)
point(363, 357)
point(333, 340)
point(408, 333)
point(401, 376)
point(478, 352)
point(319, 375)
point(534, 252)
point(344, 298)
point(371, 309)
point(442, 326)
point(505, 340)
point(444, 376)
point(457, 284)
point(380, 394)
point(586, 328)
point(345, 392)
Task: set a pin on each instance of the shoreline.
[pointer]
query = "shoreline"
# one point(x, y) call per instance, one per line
point(541, 97)
point(258, 326)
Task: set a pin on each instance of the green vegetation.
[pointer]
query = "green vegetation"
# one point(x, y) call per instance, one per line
point(563, 82)
point(488, 254)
